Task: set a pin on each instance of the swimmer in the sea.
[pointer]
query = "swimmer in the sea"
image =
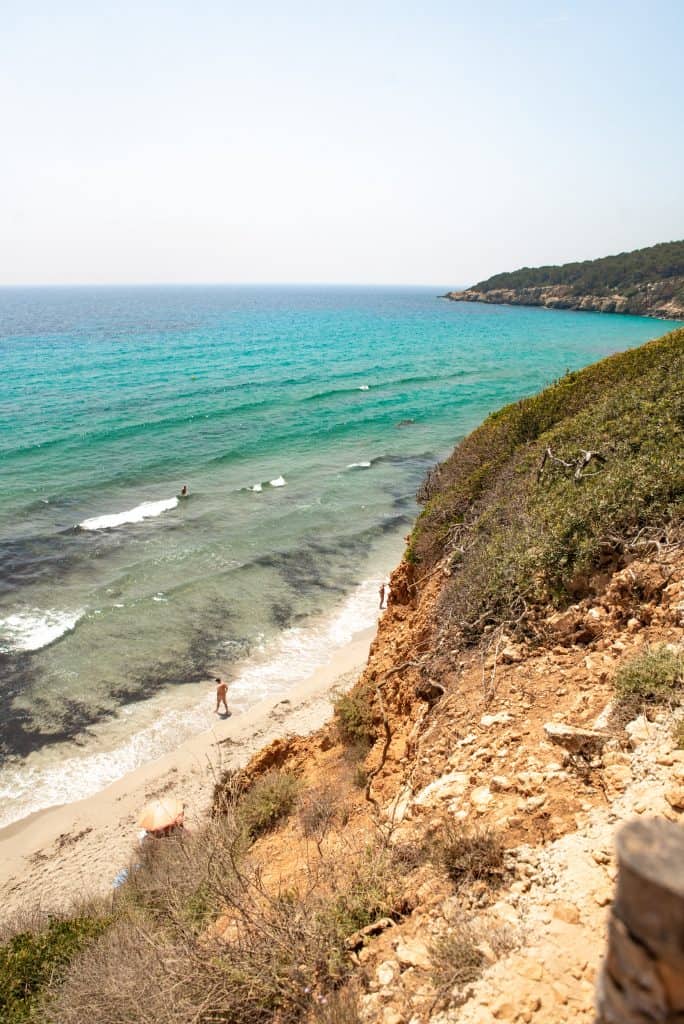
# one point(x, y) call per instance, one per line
point(184, 491)
point(221, 691)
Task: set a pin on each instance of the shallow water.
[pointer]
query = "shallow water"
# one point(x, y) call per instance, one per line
point(302, 421)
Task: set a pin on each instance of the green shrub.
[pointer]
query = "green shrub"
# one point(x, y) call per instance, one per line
point(270, 799)
point(354, 716)
point(654, 676)
point(30, 961)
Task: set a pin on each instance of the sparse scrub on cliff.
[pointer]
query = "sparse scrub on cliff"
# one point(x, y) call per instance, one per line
point(471, 854)
point(185, 878)
point(520, 529)
point(654, 676)
point(318, 812)
point(274, 955)
point(270, 799)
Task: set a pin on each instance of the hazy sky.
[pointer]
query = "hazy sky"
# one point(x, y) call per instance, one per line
point(353, 142)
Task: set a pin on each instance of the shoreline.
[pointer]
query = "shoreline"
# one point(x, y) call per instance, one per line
point(53, 856)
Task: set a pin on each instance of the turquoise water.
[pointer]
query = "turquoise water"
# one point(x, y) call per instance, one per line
point(302, 421)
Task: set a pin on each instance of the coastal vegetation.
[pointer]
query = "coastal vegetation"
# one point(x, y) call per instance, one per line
point(554, 488)
point(647, 282)
point(622, 272)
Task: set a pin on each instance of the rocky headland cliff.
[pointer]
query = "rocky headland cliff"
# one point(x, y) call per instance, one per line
point(646, 282)
point(444, 849)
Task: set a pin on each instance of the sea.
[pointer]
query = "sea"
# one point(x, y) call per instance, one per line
point(301, 419)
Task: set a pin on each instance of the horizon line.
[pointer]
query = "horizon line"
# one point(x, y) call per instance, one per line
point(223, 284)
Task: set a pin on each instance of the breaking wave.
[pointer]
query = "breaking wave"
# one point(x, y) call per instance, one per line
point(30, 630)
point(147, 510)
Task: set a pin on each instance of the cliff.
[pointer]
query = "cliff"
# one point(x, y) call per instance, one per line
point(646, 282)
point(442, 850)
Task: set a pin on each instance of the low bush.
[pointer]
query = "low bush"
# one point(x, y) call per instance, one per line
point(471, 855)
point(35, 958)
point(678, 734)
point(654, 676)
point(354, 717)
point(270, 799)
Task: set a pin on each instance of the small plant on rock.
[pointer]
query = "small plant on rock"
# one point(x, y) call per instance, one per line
point(655, 676)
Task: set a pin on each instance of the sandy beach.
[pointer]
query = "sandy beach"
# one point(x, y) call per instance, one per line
point(61, 854)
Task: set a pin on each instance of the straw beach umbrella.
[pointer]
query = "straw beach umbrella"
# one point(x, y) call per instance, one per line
point(160, 814)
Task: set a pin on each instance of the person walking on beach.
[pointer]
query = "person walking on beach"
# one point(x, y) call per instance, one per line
point(221, 691)
point(382, 594)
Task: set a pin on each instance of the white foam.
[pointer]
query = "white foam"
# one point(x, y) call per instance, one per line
point(279, 481)
point(359, 465)
point(147, 510)
point(32, 629)
point(273, 669)
point(257, 488)
point(363, 387)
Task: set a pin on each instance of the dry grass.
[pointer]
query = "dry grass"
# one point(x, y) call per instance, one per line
point(460, 956)
point(318, 812)
point(678, 734)
point(468, 856)
point(199, 938)
point(655, 676)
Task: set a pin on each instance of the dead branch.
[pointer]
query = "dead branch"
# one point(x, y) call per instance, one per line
point(578, 465)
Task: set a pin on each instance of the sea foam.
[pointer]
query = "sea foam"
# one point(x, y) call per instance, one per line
point(359, 465)
point(272, 670)
point(279, 481)
point(32, 629)
point(147, 510)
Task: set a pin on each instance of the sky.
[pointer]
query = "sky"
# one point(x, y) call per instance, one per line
point(357, 142)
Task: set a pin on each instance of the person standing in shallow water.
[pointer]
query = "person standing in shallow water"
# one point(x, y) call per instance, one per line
point(382, 594)
point(221, 691)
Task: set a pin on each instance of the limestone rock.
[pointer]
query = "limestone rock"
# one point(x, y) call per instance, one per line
point(413, 953)
point(639, 730)
point(447, 787)
point(587, 742)
point(499, 719)
point(480, 797)
point(386, 972)
point(675, 797)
